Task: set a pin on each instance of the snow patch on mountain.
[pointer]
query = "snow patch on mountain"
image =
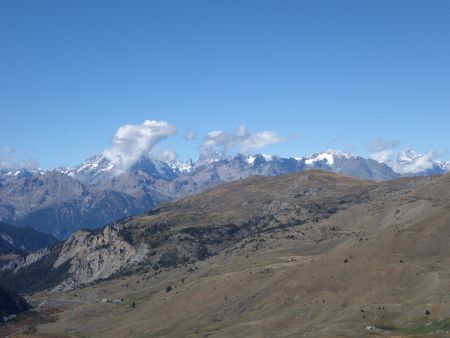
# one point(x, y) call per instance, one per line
point(320, 157)
point(182, 167)
point(89, 169)
point(23, 172)
point(329, 157)
point(267, 157)
point(250, 159)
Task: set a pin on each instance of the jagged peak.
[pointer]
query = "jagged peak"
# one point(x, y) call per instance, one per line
point(408, 155)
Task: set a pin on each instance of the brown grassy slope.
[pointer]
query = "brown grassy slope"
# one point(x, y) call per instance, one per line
point(224, 215)
point(287, 198)
point(383, 261)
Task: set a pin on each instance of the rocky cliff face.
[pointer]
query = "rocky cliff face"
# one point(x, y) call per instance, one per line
point(95, 256)
point(83, 258)
point(17, 261)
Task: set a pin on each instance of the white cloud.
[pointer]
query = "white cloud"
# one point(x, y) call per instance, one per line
point(382, 150)
point(131, 142)
point(379, 144)
point(219, 141)
point(242, 140)
point(405, 161)
point(410, 162)
point(168, 155)
point(6, 164)
point(7, 150)
point(260, 140)
point(190, 136)
point(8, 160)
point(382, 156)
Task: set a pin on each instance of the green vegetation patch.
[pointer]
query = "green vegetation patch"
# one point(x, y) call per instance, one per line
point(441, 325)
point(432, 327)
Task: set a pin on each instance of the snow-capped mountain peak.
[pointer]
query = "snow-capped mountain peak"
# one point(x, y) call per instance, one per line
point(267, 157)
point(410, 162)
point(407, 156)
point(91, 167)
point(330, 156)
point(183, 167)
point(95, 163)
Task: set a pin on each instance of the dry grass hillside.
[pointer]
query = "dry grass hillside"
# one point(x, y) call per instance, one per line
point(339, 258)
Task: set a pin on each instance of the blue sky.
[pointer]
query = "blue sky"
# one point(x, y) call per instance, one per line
point(317, 73)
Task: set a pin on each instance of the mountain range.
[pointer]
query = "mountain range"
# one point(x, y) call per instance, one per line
point(92, 194)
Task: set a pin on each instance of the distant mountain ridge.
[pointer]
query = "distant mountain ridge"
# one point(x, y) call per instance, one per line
point(11, 304)
point(23, 239)
point(93, 193)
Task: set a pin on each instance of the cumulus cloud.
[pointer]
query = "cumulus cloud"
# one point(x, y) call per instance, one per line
point(218, 141)
point(259, 140)
point(242, 140)
point(190, 136)
point(131, 142)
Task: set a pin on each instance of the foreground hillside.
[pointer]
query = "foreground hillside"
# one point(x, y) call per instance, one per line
point(187, 230)
point(313, 254)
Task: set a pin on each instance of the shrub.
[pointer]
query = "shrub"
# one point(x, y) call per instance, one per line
point(169, 258)
point(201, 252)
